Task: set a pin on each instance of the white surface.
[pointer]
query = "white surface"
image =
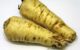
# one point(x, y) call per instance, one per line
point(68, 10)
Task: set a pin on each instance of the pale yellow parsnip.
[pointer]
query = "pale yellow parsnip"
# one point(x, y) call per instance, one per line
point(23, 30)
point(40, 14)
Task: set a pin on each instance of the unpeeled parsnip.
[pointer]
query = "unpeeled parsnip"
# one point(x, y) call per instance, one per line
point(20, 30)
point(39, 13)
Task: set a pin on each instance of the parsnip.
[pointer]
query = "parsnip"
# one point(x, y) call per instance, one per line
point(39, 13)
point(22, 30)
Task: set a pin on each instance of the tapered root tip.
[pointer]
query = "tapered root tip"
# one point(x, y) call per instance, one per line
point(18, 6)
point(72, 38)
point(22, 0)
point(6, 23)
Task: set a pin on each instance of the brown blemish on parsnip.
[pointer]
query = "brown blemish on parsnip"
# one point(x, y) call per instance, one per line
point(6, 23)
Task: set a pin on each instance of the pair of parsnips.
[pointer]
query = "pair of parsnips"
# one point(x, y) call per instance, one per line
point(41, 26)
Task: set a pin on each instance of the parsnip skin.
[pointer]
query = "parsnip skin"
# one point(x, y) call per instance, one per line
point(20, 30)
point(39, 13)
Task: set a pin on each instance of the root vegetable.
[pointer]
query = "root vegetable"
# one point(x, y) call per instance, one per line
point(39, 13)
point(23, 30)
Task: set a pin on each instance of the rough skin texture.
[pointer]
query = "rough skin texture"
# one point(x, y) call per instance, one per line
point(23, 30)
point(40, 14)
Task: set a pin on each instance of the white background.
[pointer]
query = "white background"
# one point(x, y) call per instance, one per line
point(68, 10)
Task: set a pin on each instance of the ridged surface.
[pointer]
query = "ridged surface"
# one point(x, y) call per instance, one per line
point(39, 13)
point(23, 30)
